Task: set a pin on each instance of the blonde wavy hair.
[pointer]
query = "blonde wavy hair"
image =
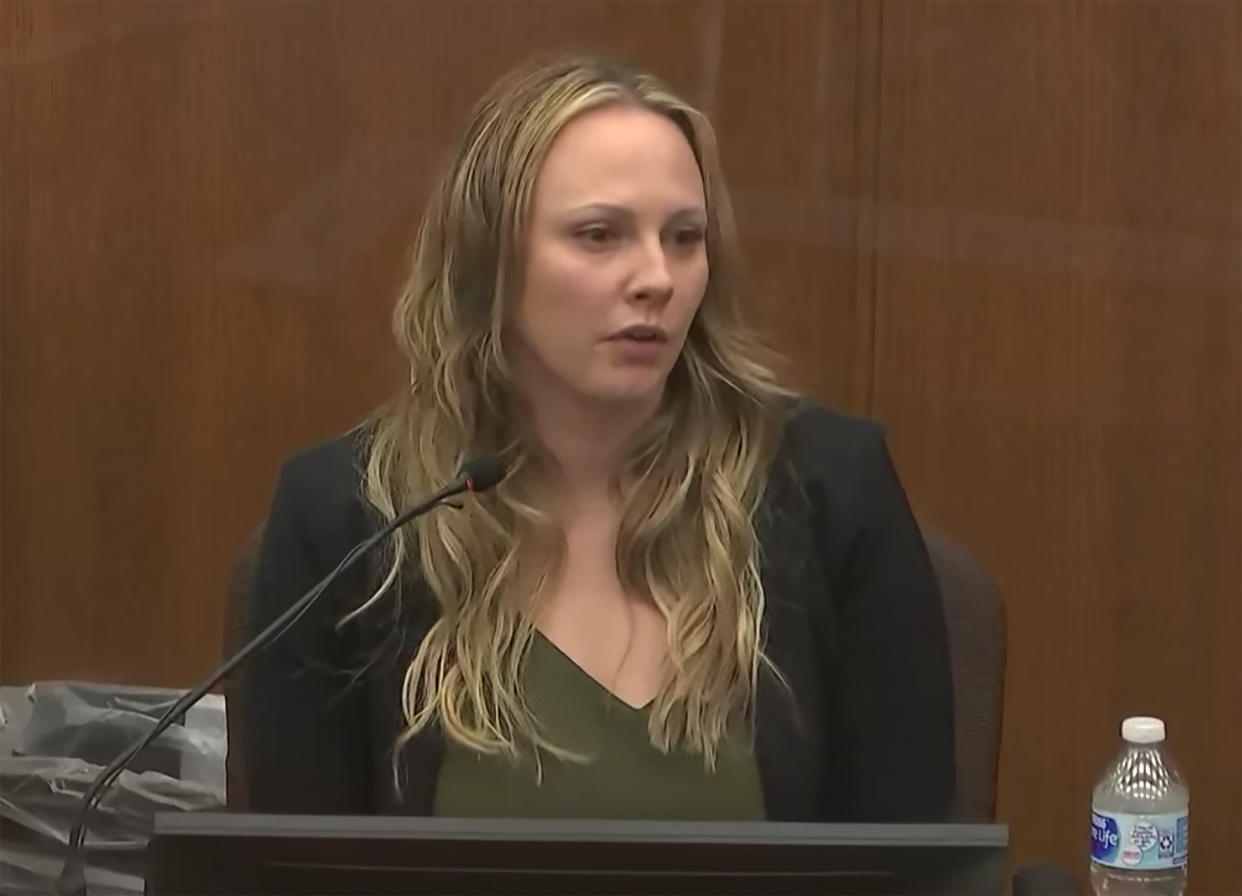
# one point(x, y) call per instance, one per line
point(694, 477)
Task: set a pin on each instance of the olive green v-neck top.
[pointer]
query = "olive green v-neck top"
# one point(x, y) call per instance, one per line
point(624, 777)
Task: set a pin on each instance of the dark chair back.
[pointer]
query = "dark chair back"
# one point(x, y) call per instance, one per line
point(240, 587)
point(975, 615)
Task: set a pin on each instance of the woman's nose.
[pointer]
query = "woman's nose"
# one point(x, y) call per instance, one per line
point(652, 279)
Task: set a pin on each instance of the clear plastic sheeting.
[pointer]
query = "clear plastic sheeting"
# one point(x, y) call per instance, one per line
point(56, 737)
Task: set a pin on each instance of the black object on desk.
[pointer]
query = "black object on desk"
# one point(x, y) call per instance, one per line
point(212, 853)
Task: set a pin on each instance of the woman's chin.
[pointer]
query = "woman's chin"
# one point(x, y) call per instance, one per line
point(625, 390)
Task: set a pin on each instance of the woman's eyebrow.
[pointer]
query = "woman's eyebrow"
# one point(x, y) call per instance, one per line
point(609, 209)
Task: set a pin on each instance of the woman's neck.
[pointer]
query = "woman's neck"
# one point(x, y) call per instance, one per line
point(589, 442)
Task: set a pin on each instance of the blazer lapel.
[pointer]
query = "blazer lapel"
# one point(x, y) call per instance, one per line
point(788, 716)
point(406, 786)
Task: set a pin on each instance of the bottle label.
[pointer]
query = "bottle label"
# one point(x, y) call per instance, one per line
point(1140, 842)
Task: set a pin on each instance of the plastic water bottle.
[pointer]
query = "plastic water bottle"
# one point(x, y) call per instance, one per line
point(1140, 818)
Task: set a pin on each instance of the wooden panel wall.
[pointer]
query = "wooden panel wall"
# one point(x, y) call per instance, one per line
point(1058, 312)
point(1010, 231)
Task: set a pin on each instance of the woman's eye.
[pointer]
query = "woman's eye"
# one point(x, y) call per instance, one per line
point(595, 236)
point(689, 236)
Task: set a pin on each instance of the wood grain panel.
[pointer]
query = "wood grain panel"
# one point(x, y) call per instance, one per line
point(799, 148)
point(1058, 313)
point(207, 208)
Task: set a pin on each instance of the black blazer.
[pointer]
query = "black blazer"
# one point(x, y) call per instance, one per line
point(854, 622)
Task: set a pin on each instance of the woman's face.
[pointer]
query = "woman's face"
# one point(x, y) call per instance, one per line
point(616, 260)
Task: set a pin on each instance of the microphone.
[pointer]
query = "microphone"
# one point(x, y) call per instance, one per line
point(1045, 880)
point(477, 475)
point(483, 473)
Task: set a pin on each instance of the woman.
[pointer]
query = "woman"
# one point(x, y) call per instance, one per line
point(694, 595)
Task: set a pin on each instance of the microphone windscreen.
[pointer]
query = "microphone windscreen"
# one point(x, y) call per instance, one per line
point(482, 473)
point(1045, 880)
